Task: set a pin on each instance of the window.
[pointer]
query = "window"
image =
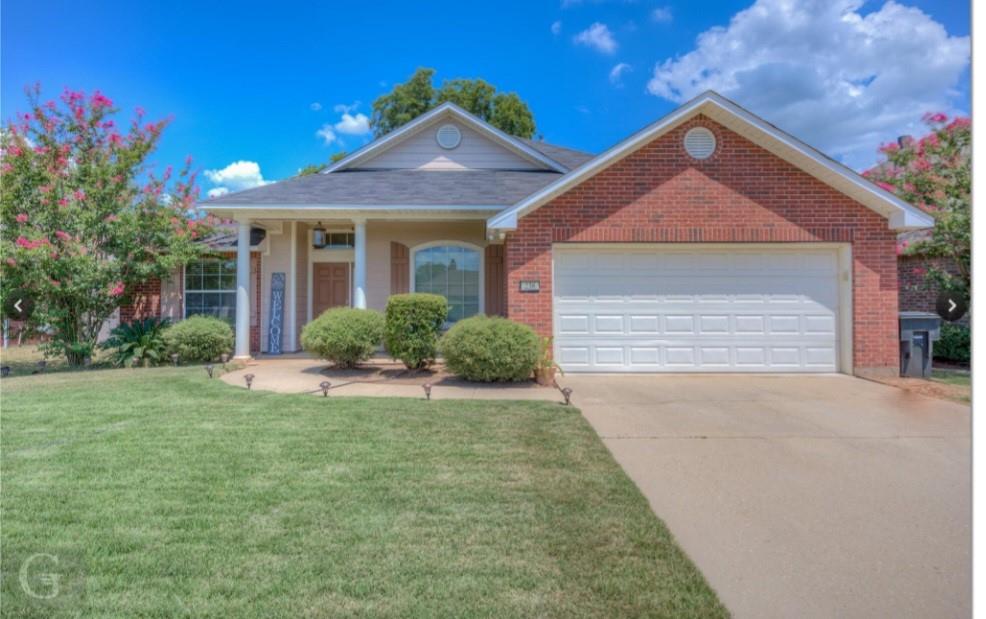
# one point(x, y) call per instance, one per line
point(453, 272)
point(210, 289)
point(339, 240)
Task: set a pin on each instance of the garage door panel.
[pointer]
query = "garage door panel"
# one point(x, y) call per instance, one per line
point(692, 310)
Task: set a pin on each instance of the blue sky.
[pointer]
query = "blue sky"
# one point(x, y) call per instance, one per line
point(240, 80)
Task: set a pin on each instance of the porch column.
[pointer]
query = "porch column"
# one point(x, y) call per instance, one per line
point(359, 268)
point(242, 347)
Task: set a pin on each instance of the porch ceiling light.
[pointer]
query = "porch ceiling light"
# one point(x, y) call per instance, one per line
point(318, 236)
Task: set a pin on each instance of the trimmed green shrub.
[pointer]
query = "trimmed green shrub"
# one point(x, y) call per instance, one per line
point(344, 336)
point(955, 343)
point(138, 342)
point(414, 322)
point(490, 349)
point(199, 339)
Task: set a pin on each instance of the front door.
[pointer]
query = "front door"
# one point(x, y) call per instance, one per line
point(330, 286)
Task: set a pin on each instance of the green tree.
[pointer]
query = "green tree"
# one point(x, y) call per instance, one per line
point(85, 218)
point(935, 173)
point(405, 102)
point(315, 168)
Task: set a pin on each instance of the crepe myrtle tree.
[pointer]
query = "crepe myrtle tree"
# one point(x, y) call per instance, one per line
point(84, 217)
point(934, 172)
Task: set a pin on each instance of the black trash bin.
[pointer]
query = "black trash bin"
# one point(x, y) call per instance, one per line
point(918, 332)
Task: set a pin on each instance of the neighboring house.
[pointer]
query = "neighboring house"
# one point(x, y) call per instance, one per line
point(707, 241)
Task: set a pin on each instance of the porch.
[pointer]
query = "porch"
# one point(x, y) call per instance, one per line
point(322, 263)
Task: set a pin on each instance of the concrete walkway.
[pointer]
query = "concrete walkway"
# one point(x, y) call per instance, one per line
point(814, 496)
point(379, 377)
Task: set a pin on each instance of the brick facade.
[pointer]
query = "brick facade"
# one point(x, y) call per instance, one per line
point(742, 194)
point(911, 269)
point(146, 300)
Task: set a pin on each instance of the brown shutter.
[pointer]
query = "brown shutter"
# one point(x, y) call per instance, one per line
point(400, 272)
point(496, 283)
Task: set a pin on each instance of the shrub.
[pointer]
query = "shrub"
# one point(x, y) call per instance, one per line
point(488, 349)
point(343, 335)
point(140, 341)
point(414, 322)
point(955, 343)
point(199, 339)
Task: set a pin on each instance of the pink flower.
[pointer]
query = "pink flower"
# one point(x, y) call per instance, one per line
point(935, 117)
point(111, 218)
point(11, 262)
point(920, 271)
point(22, 218)
point(117, 289)
point(25, 243)
point(55, 282)
point(115, 139)
point(63, 236)
point(79, 195)
point(63, 202)
point(885, 186)
point(99, 101)
point(15, 151)
point(139, 111)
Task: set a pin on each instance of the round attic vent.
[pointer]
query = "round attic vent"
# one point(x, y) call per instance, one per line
point(448, 136)
point(700, 143)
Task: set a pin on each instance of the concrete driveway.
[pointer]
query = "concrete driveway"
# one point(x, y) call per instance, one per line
point(800, 496)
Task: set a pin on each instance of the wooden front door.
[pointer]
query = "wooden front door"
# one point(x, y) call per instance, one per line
point(330, 286)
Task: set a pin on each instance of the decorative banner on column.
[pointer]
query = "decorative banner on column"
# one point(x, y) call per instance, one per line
point(276, 326)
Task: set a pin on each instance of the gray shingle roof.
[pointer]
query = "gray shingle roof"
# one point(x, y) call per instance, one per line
point(568, 157)
point(395, 187)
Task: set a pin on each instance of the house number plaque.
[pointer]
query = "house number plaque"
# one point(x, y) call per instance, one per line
point(530, 285)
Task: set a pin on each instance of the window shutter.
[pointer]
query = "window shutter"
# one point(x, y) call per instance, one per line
point(399, 268)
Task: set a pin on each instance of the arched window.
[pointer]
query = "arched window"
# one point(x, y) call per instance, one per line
point(453, 270)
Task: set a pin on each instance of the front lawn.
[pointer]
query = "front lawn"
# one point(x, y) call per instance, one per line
point(162, 493)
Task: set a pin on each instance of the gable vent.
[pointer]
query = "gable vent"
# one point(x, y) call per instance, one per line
point(700, 143)
point(448, 136)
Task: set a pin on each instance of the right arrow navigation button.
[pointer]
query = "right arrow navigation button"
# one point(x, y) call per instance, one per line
point(951, 306)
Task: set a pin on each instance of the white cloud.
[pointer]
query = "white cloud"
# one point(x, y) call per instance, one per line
point(342, 108)
point(616, 73)
point(316, 106)
point(353, 125)
point(237, 176)
point(556, 28)
point(662, 15)
point(327, 134)
point(598, 37)
point(841, 80)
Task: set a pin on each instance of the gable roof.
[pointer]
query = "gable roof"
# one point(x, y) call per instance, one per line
point(447, 110)
point(495, 189)
point(900, 214)
point(569, 157)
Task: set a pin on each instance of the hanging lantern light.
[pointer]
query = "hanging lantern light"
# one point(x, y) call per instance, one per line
point(318, 236)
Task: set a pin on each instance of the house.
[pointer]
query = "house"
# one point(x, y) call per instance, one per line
point(709, 240)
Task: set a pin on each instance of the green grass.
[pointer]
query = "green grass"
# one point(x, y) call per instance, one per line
point(165, 494)
point(952, 377)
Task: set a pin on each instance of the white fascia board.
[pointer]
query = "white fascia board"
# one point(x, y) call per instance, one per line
point(353, 207)
point(900, 214)
point(397, 135)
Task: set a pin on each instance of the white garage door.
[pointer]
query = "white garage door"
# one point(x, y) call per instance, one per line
point(696, 309)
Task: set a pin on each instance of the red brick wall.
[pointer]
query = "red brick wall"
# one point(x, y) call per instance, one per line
point(146, 301)
point(911, 269)
point(741, 194)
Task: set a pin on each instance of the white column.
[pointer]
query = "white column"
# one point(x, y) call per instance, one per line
point(359, 269)
point(242, 348)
